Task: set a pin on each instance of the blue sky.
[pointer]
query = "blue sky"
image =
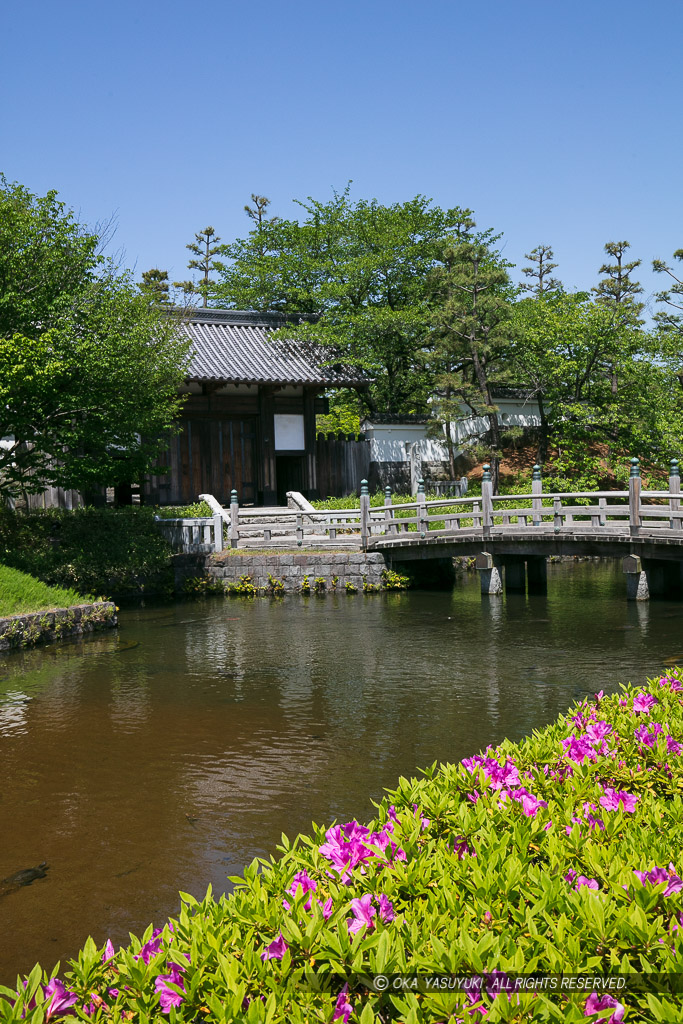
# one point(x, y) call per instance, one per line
point(557, 123)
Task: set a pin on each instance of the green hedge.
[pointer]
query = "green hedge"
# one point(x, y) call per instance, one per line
point(560, 853)
point(96, 550)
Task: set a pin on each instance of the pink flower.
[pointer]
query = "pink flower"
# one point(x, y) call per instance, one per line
point(643, 735)
point(276, 950)
point(599, 695)
point(327, 907)
point(108, 952)
point(343, 1008)
point(168, 996)
point(644, 702)
point(659, 875)
point(306, 884)
point(58, 997)
point(462, 847)
point(386, 909)
point(579, 880)
point(673, 747)
point(596, 1002)
point(673, 683)
point(150, 948)
point(611, 799)
point(364, 911)
point(578, 748)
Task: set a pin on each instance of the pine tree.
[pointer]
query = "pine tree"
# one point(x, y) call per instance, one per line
point(154, 285)
point(618, 286)
point(205, 247)
point(541, 258)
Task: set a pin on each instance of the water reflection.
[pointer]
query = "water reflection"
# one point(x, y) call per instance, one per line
point(167, 756)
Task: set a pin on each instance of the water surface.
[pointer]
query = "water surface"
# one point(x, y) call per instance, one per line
point(167, 755)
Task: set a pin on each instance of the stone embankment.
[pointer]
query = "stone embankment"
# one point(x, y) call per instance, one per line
point(56, 624)
point(352, 567)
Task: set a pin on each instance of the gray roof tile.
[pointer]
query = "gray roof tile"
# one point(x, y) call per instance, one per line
point(231, 345)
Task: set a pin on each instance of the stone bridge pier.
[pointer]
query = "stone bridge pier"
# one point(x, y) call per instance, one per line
point(513, 572)
point(652, 577)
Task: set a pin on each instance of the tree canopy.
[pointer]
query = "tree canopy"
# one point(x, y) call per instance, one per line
point(89, 368)
point(361, 268)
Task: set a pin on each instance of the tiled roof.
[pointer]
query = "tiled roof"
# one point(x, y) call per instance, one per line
point(231, 345)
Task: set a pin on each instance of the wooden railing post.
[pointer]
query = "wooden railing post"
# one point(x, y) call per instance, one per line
point(487, 500)
point(364, 514)
point(674, 488)
point(388, 512)
point(537, 491)
point(234, 519)
point(634, 497)
point(421, 508)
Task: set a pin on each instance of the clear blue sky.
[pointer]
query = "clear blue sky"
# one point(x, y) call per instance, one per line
point(556, 123)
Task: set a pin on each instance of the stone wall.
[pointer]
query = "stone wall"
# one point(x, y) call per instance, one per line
point(43, 627)
point(349, 567)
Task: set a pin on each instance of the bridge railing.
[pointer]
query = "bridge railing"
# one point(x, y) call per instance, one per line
point(630, 511)
point(200, 536)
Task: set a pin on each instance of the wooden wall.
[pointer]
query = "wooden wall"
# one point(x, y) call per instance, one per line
point(341, 463)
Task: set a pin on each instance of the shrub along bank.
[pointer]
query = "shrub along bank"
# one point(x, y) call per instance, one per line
point(88, 549)
point(559, 854)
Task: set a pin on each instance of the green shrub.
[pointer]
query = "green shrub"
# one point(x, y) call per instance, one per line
point(243, 587)
point(89, 549)
point(558, 854)
point(198, 510)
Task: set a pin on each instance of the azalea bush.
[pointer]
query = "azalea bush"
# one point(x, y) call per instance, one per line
point(558, 854)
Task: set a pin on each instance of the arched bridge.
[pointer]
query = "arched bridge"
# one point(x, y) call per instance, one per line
point(511, 536)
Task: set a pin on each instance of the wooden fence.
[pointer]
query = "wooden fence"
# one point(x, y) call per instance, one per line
point(341, 463)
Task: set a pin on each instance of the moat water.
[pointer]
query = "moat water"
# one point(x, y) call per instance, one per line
point(165, 756)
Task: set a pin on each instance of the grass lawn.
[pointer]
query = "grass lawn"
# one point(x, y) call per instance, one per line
point(20, 594)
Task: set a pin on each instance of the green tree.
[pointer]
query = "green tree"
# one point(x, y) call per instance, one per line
point(154, 286)
point(566, 353)
point(618, 286)
point(205, 248)
point(670, 319)
point(360, 270)
point(540, 283)
point(471, 336)
point(89, 369)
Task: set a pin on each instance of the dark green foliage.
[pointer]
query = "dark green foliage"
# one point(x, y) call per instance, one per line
point(110, 551)
point(154, 286)
point(89, 368)
point(361, 269)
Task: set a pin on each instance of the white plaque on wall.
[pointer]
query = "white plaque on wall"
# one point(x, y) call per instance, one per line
point(289, 432)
